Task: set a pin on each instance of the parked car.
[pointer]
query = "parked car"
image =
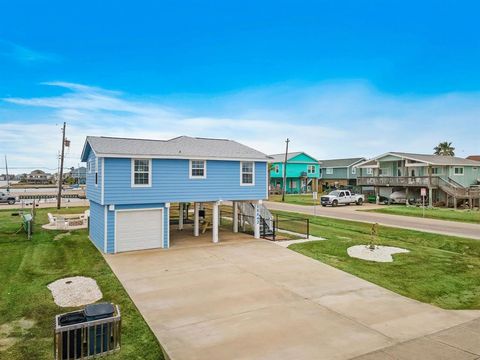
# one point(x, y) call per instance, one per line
point(382, 199)
point(7, 198)
point(342, 197)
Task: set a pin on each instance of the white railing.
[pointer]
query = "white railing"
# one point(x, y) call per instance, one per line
point(248, 210)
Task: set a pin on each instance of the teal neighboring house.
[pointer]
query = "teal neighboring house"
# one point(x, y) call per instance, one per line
point(446, 179)
point(302, 174)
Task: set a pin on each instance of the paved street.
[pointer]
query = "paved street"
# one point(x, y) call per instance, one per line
point(406, 222)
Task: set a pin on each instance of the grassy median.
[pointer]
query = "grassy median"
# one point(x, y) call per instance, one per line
point(470, 216)
point(297, 199)
point(440, 270)
point(27, 309)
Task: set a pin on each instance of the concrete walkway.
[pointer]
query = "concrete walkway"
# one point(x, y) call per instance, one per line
point(252, 299)
point(453, 228)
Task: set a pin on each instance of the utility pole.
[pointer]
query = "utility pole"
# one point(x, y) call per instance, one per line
point(60, 173)
point(285, 170)
point(8, 178)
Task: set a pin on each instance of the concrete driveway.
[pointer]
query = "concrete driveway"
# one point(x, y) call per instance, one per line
point(454, 228)
point(253, 299)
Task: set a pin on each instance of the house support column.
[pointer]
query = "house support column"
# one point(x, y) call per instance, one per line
point(406, 197)
point(430, 197)
point(180, 216)
point(455, 203)
point(377, 195)
point(196, 219)
point(215, 222)
point(235, 217)
point(256, 230)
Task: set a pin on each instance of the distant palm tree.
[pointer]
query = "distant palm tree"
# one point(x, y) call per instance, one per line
point(445, 149)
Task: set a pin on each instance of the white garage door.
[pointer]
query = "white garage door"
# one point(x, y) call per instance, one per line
point(139, 229)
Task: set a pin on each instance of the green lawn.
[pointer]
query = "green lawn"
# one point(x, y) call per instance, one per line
point(27, 267)
point(471, 216)
point(440, 270)
point(304, 199)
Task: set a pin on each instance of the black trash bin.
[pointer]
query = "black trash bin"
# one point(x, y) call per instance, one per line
point(99, 335)
point(72, 339)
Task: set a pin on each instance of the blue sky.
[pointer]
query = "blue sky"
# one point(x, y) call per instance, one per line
point(350, 78)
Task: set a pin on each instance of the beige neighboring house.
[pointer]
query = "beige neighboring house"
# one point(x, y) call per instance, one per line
point(39, 177)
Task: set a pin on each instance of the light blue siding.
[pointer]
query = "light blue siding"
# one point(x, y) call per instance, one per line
point(94, 192)
point(171, 182)
point(111, 222)
point(97, 224)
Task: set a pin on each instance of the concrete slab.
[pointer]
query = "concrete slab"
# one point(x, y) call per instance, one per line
point(252, 299)
point(426, 349)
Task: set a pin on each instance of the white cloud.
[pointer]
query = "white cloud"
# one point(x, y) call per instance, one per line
point(327, 120)
point(25, 55)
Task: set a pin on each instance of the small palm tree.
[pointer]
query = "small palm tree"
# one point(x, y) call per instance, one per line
point(445, 148)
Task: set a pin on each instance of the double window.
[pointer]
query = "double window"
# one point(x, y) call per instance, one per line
point(247, 173)
point(311, 169)
point(141, 172)
point(458, 171)
point(329, 171)
point(369, 171)
point(198, 169)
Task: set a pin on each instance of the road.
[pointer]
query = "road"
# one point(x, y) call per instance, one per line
point(453, 228)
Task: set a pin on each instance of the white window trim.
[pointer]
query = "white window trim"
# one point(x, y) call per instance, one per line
point(459, 174)
point(329, 171)
point(311, 167)
point(369, 171)
point(150, 180)
point(196, 176)
point(253, 174)
point(96, 172)
point(354, 170)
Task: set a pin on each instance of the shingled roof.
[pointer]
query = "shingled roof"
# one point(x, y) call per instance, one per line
point(177, 148)
point(336, 163)
point(426, 158)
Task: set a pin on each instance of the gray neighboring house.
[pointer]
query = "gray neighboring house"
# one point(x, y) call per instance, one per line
point(338, 172)
point(79, 174)
point(450, 180)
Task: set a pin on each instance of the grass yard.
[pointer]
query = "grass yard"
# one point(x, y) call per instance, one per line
point(27, 309)
point(470, 216)
point(304, 199)
point(440, 270)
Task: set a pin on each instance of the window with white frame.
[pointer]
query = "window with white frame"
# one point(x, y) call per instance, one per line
point(458, 170)
point(141, 172)
point(247, 173)
point(369, 171)
point(436, 170)
point(198, 169)
point(329, 171)
point(89, 168)
point(96, 171)
point(354, 170)
point(311, 169)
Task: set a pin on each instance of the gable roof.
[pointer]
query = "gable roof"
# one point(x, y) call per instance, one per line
point(428, 159)
point(474, 157)
point(182, 147)
point(281, 157)
point(337, 163)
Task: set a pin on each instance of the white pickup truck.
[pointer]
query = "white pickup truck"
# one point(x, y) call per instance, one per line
point(339, 197)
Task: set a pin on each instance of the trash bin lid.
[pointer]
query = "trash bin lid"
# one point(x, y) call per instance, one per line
point(99, 310)
point(75, 317)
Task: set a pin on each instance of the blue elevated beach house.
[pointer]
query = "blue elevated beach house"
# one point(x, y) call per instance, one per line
point(132, 182)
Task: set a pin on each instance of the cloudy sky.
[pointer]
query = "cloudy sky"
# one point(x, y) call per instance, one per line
point(355, 79)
